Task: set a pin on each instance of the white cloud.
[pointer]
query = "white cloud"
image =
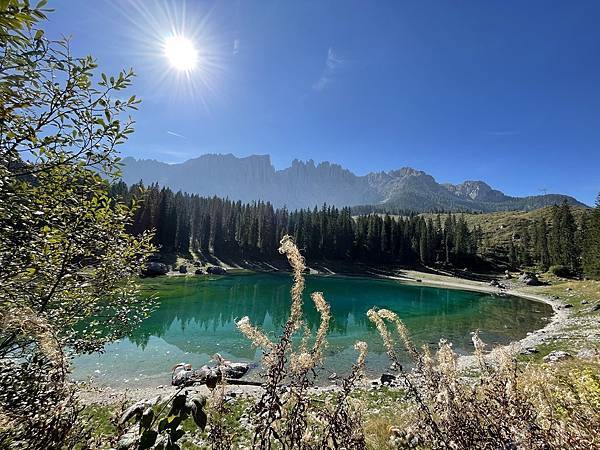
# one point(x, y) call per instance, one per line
point(172, 133)
point(333, 63)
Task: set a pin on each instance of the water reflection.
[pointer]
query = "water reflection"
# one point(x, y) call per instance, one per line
point(196, 318)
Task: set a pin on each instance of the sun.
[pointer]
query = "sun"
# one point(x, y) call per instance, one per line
point(181, 53)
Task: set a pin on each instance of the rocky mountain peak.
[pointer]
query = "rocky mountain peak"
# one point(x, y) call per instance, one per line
point(305, 184)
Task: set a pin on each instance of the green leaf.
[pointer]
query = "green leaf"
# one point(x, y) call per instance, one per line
point(147, 417)
point(176, 435)
point(147, 439)
point(38, 35)
point(199, 416)
point(163, 424)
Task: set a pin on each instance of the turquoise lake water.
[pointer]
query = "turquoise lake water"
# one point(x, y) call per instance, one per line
point(195, 319)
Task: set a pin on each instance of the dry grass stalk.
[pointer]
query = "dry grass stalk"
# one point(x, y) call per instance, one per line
point(285, 417)
point(502, 408)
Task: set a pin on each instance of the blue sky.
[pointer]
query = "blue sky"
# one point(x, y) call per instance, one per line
point(507, 91)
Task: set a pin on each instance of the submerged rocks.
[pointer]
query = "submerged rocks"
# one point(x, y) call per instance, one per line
point(154, 269)
point(556, 356)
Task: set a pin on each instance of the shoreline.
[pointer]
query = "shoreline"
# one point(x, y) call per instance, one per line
point(105, 395)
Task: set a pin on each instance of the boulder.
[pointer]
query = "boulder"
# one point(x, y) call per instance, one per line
point(529, 351)
point(183, 269)
point(556, 356)
point(387, 378)
point(199, 272)
point(154, 268)
point(235, 369)
point(529, 279)
point(217, 270)
point(494, 283)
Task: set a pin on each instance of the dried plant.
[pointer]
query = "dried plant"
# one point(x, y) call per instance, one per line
point(285, 416)
point(501, 408)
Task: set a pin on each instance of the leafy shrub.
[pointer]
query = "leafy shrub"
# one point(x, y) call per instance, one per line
point(560, 271)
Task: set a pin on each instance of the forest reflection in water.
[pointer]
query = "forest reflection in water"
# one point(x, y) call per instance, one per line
point(196, 318)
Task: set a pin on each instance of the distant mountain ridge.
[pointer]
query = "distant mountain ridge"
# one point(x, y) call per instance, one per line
point(305, 184)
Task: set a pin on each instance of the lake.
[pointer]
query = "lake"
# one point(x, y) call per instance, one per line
point(195, 318)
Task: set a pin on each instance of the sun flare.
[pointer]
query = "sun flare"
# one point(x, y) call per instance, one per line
point(181, 53)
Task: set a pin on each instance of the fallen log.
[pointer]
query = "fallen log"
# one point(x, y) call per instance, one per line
point(243, 382)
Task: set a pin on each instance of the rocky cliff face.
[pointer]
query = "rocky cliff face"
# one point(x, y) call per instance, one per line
point(476, 190)
point(306, 184)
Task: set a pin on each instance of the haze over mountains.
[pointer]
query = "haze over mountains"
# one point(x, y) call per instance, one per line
point(305, 185)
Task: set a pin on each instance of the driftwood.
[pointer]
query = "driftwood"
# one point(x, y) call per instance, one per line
point(243, 382)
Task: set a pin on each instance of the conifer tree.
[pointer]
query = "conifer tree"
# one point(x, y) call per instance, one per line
point(591, 243)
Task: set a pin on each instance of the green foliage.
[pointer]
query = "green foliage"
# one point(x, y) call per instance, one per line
point(591, 244)
point(560, 271)
point(158, 428)
point(64, 247)
point(232, 229)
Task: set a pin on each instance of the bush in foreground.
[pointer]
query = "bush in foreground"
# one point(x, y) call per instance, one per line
point(502, 407)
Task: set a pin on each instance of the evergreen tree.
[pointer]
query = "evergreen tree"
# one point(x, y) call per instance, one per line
point(591, 243)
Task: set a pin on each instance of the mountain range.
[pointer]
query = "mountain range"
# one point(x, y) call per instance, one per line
point(305, 184)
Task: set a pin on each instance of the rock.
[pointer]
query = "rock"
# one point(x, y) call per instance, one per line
point(183, 269)
point(236, 370)
point(333, 376)
point(154, 268)
point(494, 283)
point(567, 305)
point(507, 275)
point(584, 302)
point(199, 272)
point(387, 378)
point(557, 355)
point(596, 307)
point(529, 279)
point(217, 270)
point(588, 353)
point(529, 351)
